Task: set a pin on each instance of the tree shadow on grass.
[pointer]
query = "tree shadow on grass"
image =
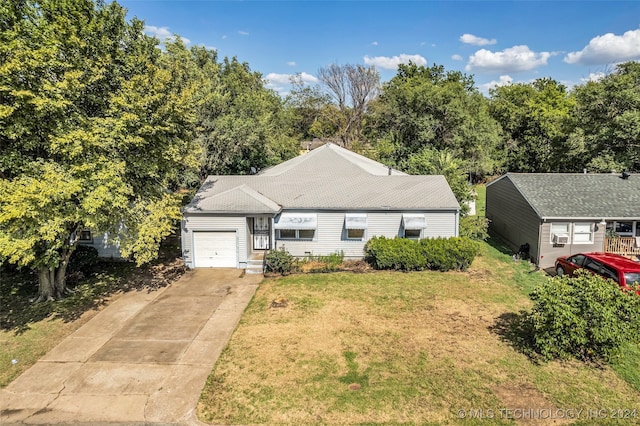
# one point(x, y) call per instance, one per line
point(515, 330)
point(499, 245)
point(18, 289)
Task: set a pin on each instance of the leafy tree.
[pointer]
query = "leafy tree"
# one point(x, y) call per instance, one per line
point(311, 111)
point(430, 161)
point(536, 120)
point(241, 124)
point(430, 108)
point(95, 126)
point(608, 117)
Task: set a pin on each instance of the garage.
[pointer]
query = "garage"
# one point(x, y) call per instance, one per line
point(215, 249)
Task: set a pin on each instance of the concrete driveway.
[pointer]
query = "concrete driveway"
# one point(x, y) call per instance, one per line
point(143, 359)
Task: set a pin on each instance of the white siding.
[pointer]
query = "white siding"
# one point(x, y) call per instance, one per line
point(100, 243)
point(202, 222)
point(329, 237)
point(440, 225)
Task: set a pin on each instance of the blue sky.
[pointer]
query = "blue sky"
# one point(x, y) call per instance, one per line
point(497, 42)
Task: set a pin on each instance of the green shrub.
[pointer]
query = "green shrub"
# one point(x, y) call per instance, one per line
point(474, 227)
point(83, 259)
point(450, 254)
point(401, 254)
point(585, 316)
point(328, 263)
point(280, 262)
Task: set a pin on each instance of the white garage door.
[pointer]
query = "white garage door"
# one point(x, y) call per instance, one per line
point(215, 249)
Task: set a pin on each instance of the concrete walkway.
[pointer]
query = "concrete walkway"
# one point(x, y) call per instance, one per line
point(144, 359)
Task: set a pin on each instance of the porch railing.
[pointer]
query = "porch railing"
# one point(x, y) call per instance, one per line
point(626, 246)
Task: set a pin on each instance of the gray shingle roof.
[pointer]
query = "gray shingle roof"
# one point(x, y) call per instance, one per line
point(238, 199)
point(330, 178)
point(580, 195)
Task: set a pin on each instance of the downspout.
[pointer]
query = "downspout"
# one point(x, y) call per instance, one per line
point(457, 223)
point(540, 242)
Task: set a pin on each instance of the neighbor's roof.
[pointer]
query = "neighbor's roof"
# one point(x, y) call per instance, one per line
point(331, 178)
point(579, 195)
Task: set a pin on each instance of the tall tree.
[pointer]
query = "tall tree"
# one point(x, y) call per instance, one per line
point(608, 117)
point(536, 119)
point(311, 111)
point(242, 124)
point(430, 108)
point(352, 88)
point(95, 126)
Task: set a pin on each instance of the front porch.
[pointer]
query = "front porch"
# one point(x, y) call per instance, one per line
point(625, 246)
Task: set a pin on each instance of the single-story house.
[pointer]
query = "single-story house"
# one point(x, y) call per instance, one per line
point(99, 241)
point(326, 201)
point(559, 214)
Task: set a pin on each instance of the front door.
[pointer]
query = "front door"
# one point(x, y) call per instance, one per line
point(261, 233)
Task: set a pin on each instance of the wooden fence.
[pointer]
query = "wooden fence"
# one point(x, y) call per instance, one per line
point(626, 246)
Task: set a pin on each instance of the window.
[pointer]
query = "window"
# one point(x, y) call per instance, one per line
point(559, 230)
point(632, 278)
point(624, 228)
point(287, 234)
point(295, 234)
point(355, 234)
point(355, 224)
point(413, 234)
point(413, 224)
point(85, 236)
point(296, 226)
point(582, 233)
point(577, 259)
point(592, 265)
point(610, 273)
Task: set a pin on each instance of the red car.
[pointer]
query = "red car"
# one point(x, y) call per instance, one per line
point(624, 271)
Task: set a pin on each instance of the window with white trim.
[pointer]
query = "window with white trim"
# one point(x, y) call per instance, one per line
point(413, 234)
point(355, 225)
point(559, 230)
point(582, 233)
point(295, 234)
point(296, 226)
point(413, 224)
point(85, 236)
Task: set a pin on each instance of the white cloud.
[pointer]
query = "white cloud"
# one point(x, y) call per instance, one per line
point(392, 62)
point(456, 57)
point(374, 43)
point(503, 80)
point(476, 41)
point(280, 82)
point(608, 49)
point(162, 33)
point(243, 33)
point(292, 63)
point(513, 59)
point(594, 76)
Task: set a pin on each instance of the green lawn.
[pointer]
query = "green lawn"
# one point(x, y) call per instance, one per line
point(481, 199)
point(399, 348)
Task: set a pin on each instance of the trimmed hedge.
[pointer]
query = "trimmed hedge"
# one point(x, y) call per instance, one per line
point(401, 254)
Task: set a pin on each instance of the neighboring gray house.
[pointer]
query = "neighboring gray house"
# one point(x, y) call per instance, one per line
point(561, 214)
point(322, 202)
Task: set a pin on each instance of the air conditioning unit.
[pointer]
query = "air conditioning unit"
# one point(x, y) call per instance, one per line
point(560, 239)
